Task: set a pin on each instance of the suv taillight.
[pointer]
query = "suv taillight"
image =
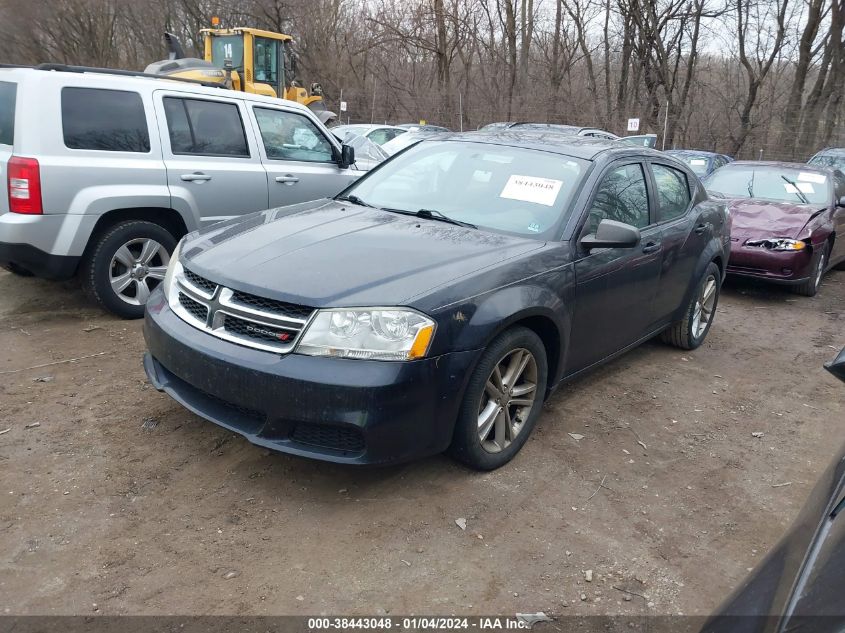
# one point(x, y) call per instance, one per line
point(24, 183)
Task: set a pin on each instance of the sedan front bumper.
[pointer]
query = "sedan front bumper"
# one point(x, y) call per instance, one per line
point(339, 410)
point(784, 267)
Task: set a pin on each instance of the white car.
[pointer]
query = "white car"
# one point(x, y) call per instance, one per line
point(378, 134)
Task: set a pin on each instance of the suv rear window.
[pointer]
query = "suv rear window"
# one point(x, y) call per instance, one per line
point(106, 120)
point(8, 93)
point(207, 128)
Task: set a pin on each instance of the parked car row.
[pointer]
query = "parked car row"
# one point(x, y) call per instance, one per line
point(447, 292)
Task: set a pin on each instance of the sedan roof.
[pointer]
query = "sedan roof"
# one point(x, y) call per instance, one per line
point(782, 164)
point(548, 141)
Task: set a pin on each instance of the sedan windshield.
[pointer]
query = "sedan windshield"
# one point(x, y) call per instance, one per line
point(507, 189)
point(770, 182)
point(835, 160)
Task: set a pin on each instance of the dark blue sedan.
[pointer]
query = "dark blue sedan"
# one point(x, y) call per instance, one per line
point(702, 163)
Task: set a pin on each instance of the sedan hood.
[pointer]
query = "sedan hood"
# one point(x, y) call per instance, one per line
point(755, 218)
point(327, 253)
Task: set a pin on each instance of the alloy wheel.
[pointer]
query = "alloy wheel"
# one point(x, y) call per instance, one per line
point(704, 306)
point(509, 395)
point(137, 268)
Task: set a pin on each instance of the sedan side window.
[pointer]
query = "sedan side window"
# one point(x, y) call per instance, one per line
point(290, 136)
point(622, 196)
point(672, 192)
point(380, 137)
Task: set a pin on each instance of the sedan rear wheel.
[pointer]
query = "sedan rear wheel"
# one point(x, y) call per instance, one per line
point(692, 329)
point(502, 400)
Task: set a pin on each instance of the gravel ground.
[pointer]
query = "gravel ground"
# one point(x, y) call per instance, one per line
point(116, 500)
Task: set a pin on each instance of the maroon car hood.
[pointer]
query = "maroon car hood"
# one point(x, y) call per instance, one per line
point(754, 218)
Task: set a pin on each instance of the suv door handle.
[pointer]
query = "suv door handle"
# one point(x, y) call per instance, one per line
point(197, 176)
point(287, 179)
point(651, 247)
point(700, 229)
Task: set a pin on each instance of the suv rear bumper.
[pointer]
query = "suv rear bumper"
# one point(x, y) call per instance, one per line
point(48, 245)
point(27, 258)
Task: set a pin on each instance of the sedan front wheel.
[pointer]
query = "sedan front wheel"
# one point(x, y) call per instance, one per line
point(502, 401)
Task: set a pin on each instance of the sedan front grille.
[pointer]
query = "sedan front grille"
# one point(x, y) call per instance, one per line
point(236, 316)
point(200, 282)
point(251, 329)
point(194, 308)
point(272, 305)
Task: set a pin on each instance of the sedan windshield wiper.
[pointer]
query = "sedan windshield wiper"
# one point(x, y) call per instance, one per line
point(354, 200)
point(431, 214)
point(434, 214)
point(796, 191)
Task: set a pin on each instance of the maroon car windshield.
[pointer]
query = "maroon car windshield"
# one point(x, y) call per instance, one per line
point(770, 182)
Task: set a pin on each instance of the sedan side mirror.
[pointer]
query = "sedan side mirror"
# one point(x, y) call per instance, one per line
point(612, 234)
point(841, 202)
point(347, 156)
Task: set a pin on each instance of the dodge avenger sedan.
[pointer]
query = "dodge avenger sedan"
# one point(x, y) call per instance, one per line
point(436, 303)
point(788, 221)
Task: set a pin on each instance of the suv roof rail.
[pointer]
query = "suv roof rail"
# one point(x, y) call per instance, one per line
point(67, 68)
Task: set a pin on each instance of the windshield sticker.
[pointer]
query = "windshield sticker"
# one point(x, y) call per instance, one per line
point(504, 159)
point(698, 161)
point(790, 188)
point(805, 187)
point(531, 189)
point(811, 177)
point(534, 227)
point(482, 176)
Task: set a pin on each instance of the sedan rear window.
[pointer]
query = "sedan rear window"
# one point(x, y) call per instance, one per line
point(508, 189)
point(8, 94)
point(770, 182)
point(105, 120)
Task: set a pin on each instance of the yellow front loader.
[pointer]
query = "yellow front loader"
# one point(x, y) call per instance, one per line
point(247, 59)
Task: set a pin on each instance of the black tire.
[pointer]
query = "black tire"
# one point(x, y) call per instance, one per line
point(15, 270)
point(819, 263)
point(681, 333)
point(96, 269)
point(466, 444)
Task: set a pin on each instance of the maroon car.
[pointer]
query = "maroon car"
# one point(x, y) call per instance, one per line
point(788, 220)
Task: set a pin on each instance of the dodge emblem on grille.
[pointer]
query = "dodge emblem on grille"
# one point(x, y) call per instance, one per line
point(282, 336)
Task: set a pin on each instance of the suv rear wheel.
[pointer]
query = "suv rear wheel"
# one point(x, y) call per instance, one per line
point(502, 401)
point(125, 264)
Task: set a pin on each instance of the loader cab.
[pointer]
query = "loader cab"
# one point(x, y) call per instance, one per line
point(259, 58)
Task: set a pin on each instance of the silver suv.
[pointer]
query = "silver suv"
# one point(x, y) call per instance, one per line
point(106, 172)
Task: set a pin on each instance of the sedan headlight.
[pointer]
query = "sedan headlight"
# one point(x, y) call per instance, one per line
point(778, 244)
point(368, 333)
point(171, 269)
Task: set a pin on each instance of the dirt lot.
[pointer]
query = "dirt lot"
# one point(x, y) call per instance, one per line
point(187, 518)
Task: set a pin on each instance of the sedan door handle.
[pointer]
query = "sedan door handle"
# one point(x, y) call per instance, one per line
point(197, 176)
point(651, 247)
point(287, 179)
point(701, 228)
